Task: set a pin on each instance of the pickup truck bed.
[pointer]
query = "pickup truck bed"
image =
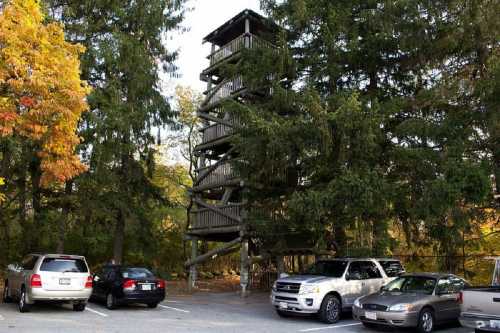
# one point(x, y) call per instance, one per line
point(481, 309)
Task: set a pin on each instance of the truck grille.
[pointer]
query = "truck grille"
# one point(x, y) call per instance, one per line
point(288, 287)
point(375, 307)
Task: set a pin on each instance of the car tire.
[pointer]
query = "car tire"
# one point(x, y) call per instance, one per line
point(6, 298)
point(426, 321)
point(22, 305)
point(282, 314)
point(110, 301)
point(79, 306)
point(369, 325)
point(152, 305)
point(330, 310)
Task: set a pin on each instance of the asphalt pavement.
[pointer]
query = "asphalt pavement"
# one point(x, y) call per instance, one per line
point(202, 312)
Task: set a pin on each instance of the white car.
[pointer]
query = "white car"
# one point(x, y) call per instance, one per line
point(48, 277)
point(331, 286)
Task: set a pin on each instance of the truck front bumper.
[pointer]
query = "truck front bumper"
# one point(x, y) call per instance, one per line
point(306, 303)
point(480, 321)
point(396, 319)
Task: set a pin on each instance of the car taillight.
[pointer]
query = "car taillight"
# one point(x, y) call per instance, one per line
point(129, 284)
point(88, 284)
point(460, 298)
point(36, 281)
point(160, 284)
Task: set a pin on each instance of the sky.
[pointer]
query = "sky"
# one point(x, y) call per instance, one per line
point(206, 16)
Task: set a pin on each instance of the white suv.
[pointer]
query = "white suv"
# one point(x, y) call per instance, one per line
point(48, 277)
point(330, 286)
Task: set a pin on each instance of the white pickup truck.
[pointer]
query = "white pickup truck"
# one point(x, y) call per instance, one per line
point(480, 307)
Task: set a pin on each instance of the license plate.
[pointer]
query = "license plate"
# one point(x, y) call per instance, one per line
point(146, 287)
point(495, 323)
point(371, 315)
point(283, 305)
point(64, 281)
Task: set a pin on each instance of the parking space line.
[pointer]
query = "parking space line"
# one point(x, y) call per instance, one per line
point(328, 327)
point(172, 308)
point(96, 312)
point(171, 301)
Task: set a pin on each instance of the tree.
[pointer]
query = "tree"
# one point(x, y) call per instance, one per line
point(125, 42)
point(371, 122)
point(42, 96)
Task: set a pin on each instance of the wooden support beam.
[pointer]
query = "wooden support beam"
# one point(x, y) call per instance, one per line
point(214, 230)
point(208, 116)
point(217, 210)
point(224, 249)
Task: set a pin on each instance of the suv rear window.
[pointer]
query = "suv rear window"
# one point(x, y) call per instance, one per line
point(63, 265)
point(392, 268)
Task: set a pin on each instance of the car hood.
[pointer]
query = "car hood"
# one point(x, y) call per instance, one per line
point(391, 298)
point(306, 279)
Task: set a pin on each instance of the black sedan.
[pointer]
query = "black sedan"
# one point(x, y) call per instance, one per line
point(118, 285)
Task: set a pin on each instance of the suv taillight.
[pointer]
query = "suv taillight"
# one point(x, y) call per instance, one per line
point(460, 298)
point(160, 284)
point(36, 281)
point(88, 284)
point(129, 284)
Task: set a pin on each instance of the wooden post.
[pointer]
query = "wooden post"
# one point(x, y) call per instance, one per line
point(245, 268)
point(192, 269)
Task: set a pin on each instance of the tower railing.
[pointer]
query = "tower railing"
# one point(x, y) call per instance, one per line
point(246, 40)
point(220, 175)
point(207, 218)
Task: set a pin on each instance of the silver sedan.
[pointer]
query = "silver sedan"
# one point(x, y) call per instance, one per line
point(419, 300)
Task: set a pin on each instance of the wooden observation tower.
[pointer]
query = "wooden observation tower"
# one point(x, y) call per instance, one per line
point(217, 193)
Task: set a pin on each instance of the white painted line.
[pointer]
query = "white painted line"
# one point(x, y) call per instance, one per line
point(96, 312)
point(329, 327)
point(2, 318)
point(171, 301)
point(171, 308)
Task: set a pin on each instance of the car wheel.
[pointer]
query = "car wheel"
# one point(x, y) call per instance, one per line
point(426, 321)
point(110, 301)
point(23, 306)
point(369, 325)
point(282, 314)
point(6, 298)
point(79, 306)
point(330, 310)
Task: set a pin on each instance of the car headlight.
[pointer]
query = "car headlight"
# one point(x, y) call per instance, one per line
point(275, 286)
point(357, 303)
point(305, 289)
point(403, 307)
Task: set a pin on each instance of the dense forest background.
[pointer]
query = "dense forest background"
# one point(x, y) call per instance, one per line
point(381, 135)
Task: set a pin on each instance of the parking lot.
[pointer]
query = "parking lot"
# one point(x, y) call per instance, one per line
point(203, 312)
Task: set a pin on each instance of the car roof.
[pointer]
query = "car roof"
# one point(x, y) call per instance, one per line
point(57, 255)
point(435, 275)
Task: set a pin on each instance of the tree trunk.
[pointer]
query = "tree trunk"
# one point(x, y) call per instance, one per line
point(65, 216)
point(119, 238)
point(36, 198)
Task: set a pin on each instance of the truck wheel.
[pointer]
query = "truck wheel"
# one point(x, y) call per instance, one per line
point(282, 314)
point(22, 305)
point(425, 321)
point(330, 310)
point(6, 298)
point(110, 301)
point(79, 306)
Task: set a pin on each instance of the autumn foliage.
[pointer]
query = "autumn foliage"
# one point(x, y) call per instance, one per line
point(42, 96)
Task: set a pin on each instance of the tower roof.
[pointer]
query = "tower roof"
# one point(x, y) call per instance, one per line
point(236, 26)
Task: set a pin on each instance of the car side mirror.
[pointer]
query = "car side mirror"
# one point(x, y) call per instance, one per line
point(347, 277)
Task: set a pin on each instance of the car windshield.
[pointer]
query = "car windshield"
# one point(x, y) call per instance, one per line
point(63, 265)
point(137, 273)
point(412, 284)
point(332, 268)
